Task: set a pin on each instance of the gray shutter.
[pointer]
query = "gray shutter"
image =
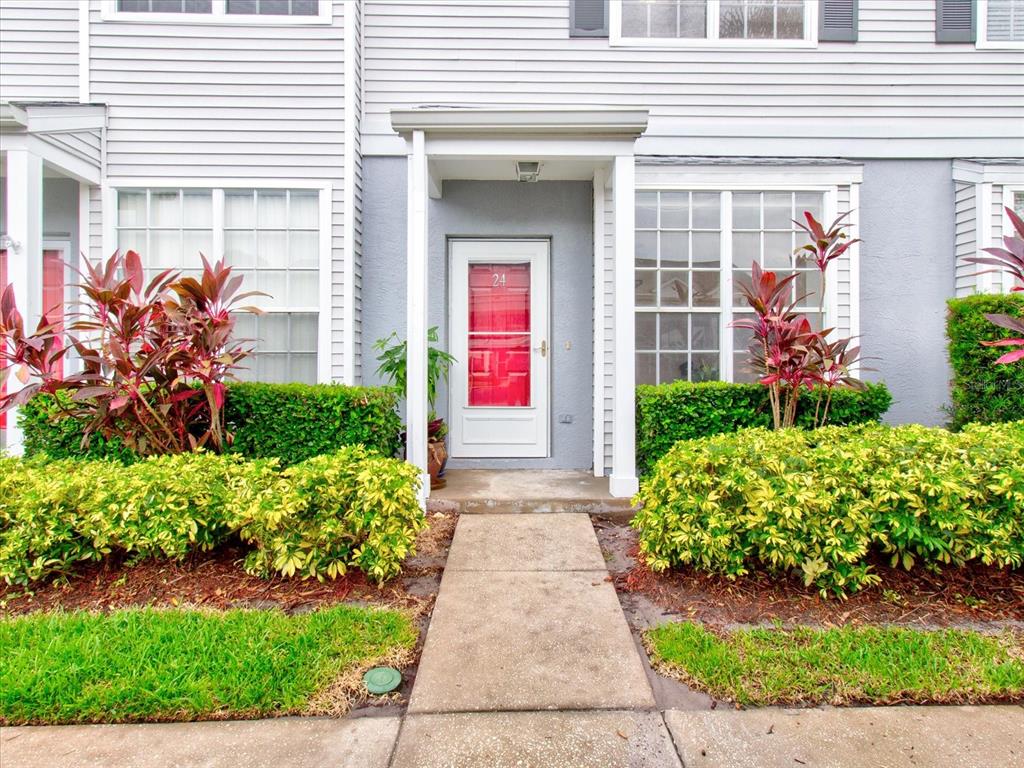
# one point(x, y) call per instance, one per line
point(955, 21)
point(588, 18)
point(837, 21)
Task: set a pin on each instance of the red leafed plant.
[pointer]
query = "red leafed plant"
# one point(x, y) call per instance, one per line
point(785, 349)
point(155, 356)
point(1010, 259)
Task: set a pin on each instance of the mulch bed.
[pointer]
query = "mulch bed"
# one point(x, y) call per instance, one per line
point(216, 580)
point(965, 597)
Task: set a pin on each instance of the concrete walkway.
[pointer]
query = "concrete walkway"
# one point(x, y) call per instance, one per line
point(529, 663)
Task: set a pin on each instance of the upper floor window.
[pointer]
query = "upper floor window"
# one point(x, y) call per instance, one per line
point(1002, 22)
point(713, 22)
point(219, 11)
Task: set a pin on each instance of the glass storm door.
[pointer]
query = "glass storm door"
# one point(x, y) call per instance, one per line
point(499, 323)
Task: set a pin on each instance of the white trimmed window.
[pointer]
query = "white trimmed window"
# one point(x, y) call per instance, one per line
point(713, 22)
point(270, 236)
point(692, 249)
point(1002, 23)
point(218, 11)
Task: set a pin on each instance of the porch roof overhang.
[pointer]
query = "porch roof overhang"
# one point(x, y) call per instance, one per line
point(471, 143)
point(608, 122)
point(68, 136)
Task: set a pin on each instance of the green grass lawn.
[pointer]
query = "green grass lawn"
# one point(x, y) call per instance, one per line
point(842, 666)
point(136, 665)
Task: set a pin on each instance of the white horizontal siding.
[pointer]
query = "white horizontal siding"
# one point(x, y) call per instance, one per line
point(233, 101)
point(966, 212)
point(85, 145)
point(38, 50)
point(894, 81)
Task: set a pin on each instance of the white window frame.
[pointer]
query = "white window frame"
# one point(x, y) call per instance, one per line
point(721, 179)
point(217, 187)
point(982, 35)
point(218, 15)
point(712, 40)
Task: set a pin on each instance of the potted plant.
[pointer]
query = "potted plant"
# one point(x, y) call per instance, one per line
point(392, 367)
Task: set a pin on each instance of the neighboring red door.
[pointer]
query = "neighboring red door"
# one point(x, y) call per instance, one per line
point(53, 294)
point(53, 298)
point(3, 284)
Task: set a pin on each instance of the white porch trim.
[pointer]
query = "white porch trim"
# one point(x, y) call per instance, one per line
point(24, 193)
point(416, 406)
point(600, 181)
point(623, 481)
point(598, 137)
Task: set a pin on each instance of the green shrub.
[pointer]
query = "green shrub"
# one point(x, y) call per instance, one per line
point(820, 502)
point(291, 422)
point(983, 391)
point(348, 509)
point(685, 410)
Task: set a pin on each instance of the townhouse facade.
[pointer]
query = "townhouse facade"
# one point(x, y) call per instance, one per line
point(569, 190)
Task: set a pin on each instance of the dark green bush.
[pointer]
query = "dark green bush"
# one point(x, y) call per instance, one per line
point(983, 391)
point(290, 422)
point(348, 509)
point(685, 410)
point(294, 422)
point(817, 503)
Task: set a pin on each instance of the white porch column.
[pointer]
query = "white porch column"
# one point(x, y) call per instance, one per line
point(623, 480)
point(24, 194)
point(416, 312)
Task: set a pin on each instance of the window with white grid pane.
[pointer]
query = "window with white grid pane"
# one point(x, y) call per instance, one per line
point(1003, 21)
point(713, 22)
point(270, 237)
point(691, 246)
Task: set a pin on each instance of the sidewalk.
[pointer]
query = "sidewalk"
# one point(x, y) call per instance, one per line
point(529, 663)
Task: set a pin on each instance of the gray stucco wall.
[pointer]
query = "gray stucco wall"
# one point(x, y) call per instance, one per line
point(562, 211)
point(907, 273)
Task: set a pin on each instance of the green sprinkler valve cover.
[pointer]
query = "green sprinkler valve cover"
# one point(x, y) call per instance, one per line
point(381, 680)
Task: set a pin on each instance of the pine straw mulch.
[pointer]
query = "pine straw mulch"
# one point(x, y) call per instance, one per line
point(215, 580)
point(975, 597)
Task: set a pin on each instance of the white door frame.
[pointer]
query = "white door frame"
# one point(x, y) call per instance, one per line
point(500, 431)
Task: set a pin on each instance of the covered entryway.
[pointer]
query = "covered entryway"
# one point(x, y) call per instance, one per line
point(500, 404)
point(50, 161)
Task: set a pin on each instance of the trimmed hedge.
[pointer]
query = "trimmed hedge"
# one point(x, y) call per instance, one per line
point(351, 508)
point(983, 391)
point(290, 422)
point(686, 410)
point(819, 502)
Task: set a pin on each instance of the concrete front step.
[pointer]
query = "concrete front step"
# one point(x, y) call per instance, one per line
point(474, 491)
point(613, 508)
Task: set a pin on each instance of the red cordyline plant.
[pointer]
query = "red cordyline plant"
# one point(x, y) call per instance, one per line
point(155, 356)
point(790, 355)
point(1009, 259)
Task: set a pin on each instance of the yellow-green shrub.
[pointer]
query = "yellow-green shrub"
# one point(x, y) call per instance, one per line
point(820, 502)
point(346, 509)
point(328, 510)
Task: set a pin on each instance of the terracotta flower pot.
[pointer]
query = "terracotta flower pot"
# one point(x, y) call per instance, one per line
point(437, 457)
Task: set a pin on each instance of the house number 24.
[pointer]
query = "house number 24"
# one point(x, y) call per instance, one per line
point(498, 280)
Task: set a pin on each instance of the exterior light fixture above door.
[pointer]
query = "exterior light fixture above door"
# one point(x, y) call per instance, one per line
point(527, 170)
